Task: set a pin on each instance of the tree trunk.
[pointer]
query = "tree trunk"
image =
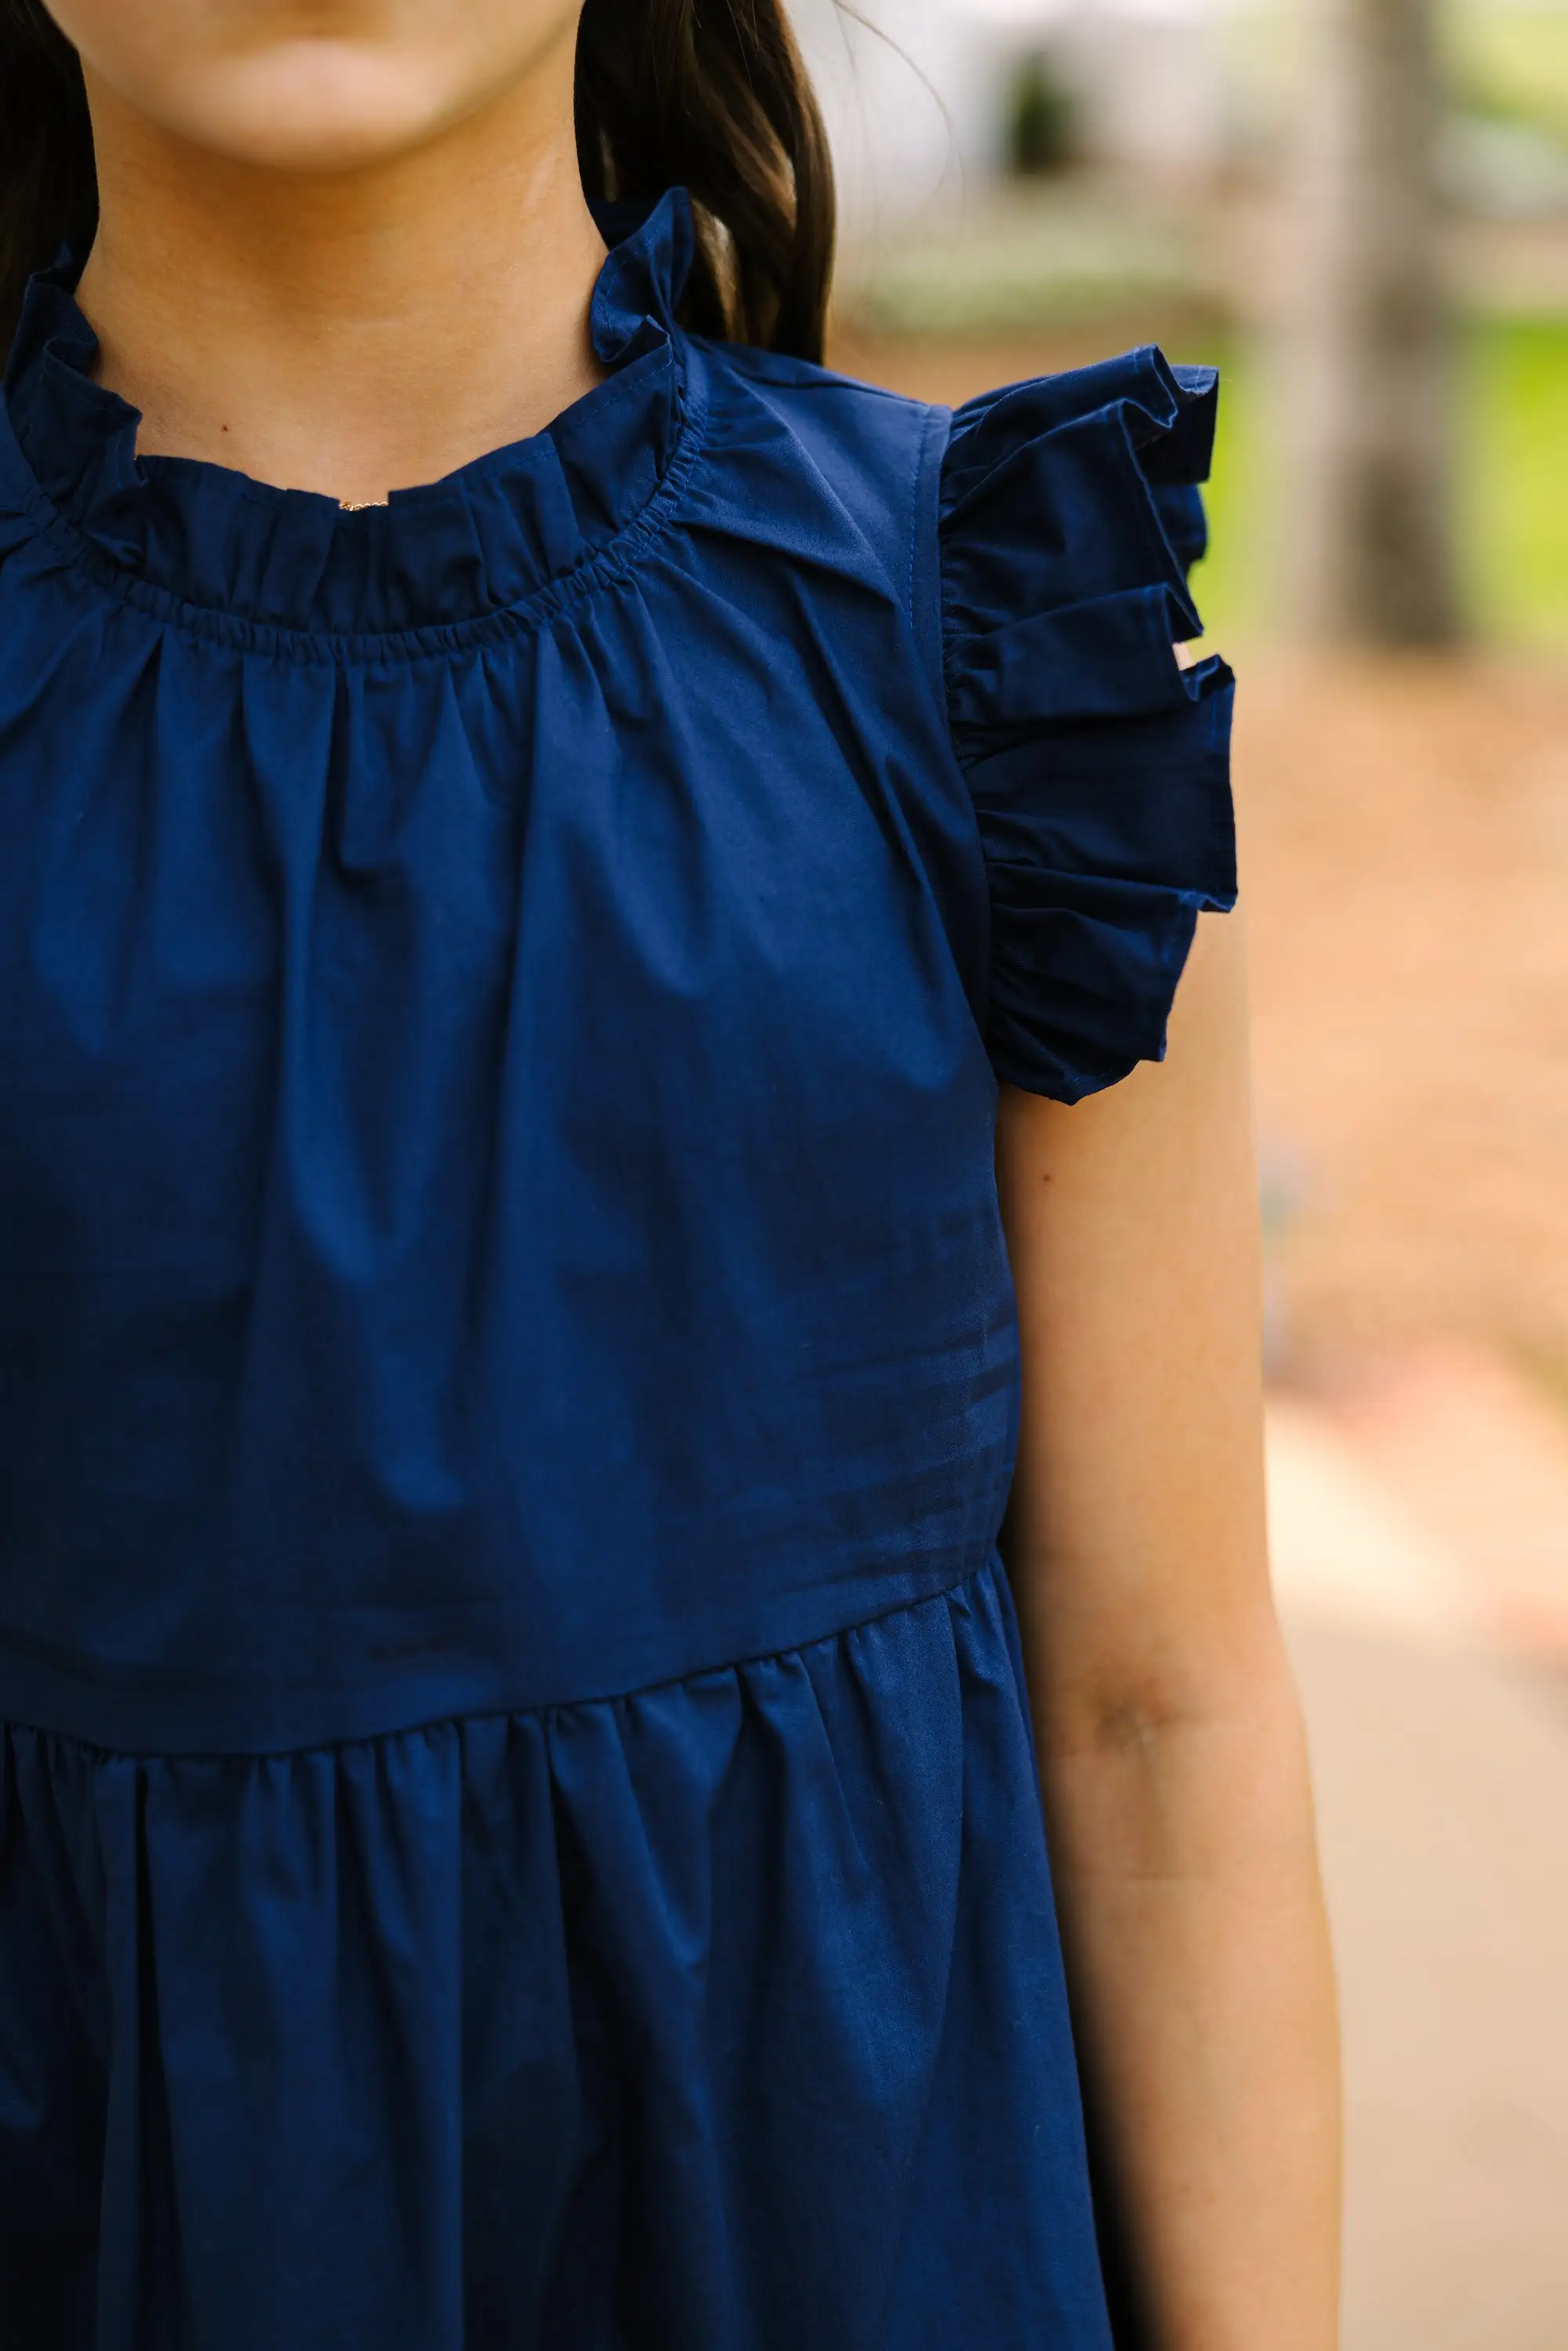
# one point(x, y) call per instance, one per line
point(1370, 555)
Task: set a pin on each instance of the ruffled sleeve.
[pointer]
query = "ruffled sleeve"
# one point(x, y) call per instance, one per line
point(1099, 767)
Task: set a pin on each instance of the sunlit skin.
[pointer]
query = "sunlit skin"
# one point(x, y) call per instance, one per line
point(345, 249)
point(343, 246)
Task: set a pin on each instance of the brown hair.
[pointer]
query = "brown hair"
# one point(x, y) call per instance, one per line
point(708, 94)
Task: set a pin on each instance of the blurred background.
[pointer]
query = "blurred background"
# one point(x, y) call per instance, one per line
point(1358, 209)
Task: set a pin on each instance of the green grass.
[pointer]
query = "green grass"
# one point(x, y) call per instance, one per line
point(1513, 488)
point(1233, 585)
point(1511, 497)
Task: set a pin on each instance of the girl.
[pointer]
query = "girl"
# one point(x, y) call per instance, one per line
point(534, 821)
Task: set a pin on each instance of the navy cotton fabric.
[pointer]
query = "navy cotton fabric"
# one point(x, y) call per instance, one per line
point(518, 1822)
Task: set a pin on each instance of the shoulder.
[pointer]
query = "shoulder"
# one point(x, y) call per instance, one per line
point(839, 414)
point(1093, 474)
point(817, 463)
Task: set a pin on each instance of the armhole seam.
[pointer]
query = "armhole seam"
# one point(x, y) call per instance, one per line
point(926, 589)
point(928, 622)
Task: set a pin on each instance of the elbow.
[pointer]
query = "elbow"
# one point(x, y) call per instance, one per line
point(1134, 1699)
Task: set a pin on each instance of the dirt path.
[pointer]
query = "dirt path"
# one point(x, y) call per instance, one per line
point(1404, 841)
point(1440, 1759)
point(1442, 1783)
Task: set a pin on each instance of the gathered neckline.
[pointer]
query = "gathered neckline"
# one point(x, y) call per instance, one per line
point(478, 541)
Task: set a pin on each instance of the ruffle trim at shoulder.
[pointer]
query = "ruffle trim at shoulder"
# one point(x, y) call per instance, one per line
point(1071, 516)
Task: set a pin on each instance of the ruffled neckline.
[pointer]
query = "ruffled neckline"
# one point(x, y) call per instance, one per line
point(479, 541)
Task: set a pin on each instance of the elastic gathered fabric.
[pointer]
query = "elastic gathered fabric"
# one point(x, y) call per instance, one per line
point(685, 2018)
point(212, 545)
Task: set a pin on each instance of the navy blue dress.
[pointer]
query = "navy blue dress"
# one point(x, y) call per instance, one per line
point(518, 1824)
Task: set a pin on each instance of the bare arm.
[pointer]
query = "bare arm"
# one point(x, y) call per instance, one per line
point(1170, 1741)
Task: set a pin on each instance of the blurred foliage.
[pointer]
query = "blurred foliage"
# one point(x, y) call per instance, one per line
point(1231, 584)
point(1505, 152)
point(1039, 260)
point(1512, 400)
point(1511, 64)
point(1507, 64)
point(1041, 118)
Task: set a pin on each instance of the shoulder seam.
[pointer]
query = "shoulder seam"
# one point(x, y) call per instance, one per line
point(936, 430)
point(817, 378)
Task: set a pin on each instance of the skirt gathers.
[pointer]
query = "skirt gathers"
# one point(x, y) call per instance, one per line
point(681, 2018)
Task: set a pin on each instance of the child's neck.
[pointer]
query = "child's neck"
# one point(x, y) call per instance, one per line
point(349, 332)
